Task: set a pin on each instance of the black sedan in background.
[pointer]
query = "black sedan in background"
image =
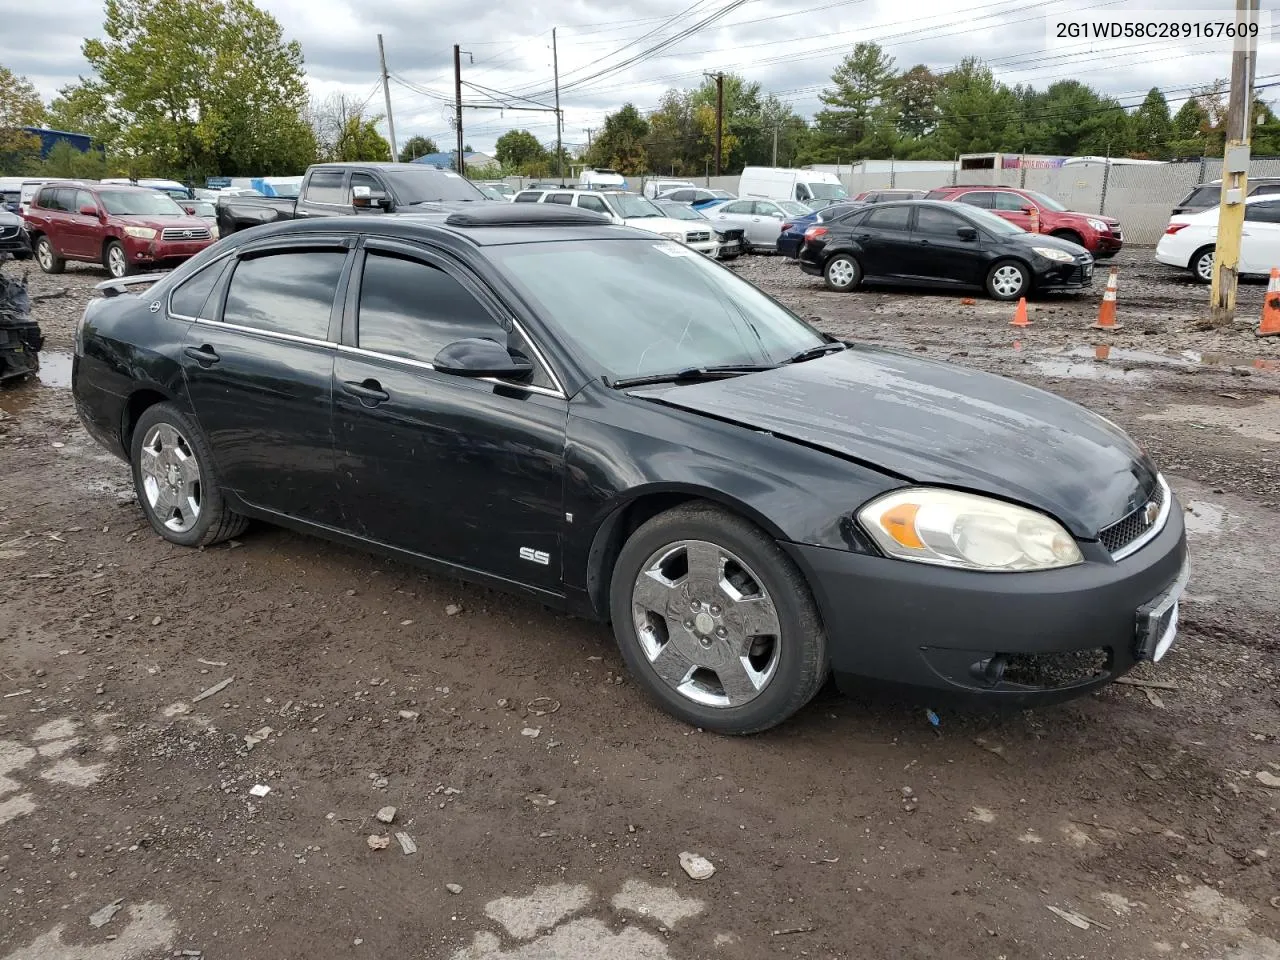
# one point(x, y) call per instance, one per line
point(610, 423)
point(935, 244)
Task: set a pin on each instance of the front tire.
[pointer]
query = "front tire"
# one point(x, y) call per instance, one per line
point(174, 477)
point(1201, 265)
point(1008, 280)
point(842, 273)
point(116, 260)
point(716, 622)
point(49, 261)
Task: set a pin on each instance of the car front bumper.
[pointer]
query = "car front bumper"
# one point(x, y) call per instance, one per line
point(1107, 245)
point(1051, 275)
point(162, 251)
point(1014, 638)
point(15, 243)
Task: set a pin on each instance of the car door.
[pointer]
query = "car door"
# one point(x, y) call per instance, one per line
point(324, 195)
point(259, 373)
point(766, 223)
point(82, 235)
point(1013, 207)
point(585, 201)
point(939, 252)
point(1260, 244)
point(54, 213)
point(884, 237)
point(467, 471)
point(736, 213)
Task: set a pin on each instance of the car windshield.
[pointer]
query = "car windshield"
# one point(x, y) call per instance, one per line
point(629, 205)
point(430, 185)
point(827, 191)
point(687, 312)
point(493, 193)
point(794, 208)
point(678, 211)
point(1047, 202)
point(202, 208)
point(286, 191)
point(991, 222)
point(140, 203)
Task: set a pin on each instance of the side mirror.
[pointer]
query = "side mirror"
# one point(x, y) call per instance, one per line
point(476, 357)
point(88, 210)
point(366, 198)
point(1029, 211)
point(967, 233)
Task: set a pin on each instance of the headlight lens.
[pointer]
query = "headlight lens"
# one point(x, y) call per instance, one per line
point(213, 231)
point(954, 529)
point(141, 233)
point(1049, 253)
point(1099, 225)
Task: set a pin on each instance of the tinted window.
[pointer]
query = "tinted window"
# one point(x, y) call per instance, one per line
point(363, 180)
point(1011, 202)
point(943, 223)
point(1204, 196)
point(565, 198)
point(418, 183)
point(592, 203)
point(84, 199)
point(528, 196)
point(411, 309)
point(325, 186)
point(888, 218)
point(742, 206)
point(979, 198)
point(140, 203)
point(1268, 212)
point(191, 298)
point(681, 195)
point(1265, 188)
point(286, 292)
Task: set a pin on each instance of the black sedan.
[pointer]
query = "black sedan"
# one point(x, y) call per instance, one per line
point(654, 443)
point(934, 244)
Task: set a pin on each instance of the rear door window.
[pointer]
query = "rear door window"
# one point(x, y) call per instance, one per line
point(191, 297)
point(1265, 188)
point(325, 186)
point(978, 198)
point(563, 198)
point(528, 196)
point(288, 292)
point(888, 218)
point(594, 204)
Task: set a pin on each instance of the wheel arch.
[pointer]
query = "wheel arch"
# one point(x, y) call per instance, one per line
point(140, 400)
point(638, 507)
point(1069, 233)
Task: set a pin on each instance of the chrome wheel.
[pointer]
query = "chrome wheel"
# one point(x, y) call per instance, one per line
point(841, 272)
point(706, 624)
point(171, 478)
point(117, 264)
point(44, 255)
point(1007, 280)
point(1204, 267)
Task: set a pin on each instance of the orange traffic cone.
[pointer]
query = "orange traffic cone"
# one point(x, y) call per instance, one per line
point(1107, 312)
point(1020, 315)
point(1270, 325)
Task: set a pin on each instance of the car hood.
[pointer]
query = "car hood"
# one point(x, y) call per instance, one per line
point(1056, 243)
point(665, 225)
point(161, 223)
point(937, 423)
point(1077, 215)
point(8, 219)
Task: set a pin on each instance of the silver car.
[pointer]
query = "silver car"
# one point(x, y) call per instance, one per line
point(760, 220)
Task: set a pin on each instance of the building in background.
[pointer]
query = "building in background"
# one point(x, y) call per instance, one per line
point(81, 142)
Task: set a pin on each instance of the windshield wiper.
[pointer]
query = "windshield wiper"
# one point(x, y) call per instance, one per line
point(693, 374)
point(812, 353)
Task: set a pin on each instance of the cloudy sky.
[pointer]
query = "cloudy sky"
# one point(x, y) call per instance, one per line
point(790, 48)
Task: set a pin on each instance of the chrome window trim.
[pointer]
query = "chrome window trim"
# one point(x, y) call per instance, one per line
point(168, 300)
point(1155, 529)
point(273, 334)
point(424, 365)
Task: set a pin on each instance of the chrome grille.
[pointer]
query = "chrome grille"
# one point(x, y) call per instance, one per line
point(1128, 530)
point(698, 236)
point(173, 234)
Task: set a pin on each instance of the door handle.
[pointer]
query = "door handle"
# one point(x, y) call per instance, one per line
point(864, 236)
point(370, 392)
point(755, 219)
point(204, 354)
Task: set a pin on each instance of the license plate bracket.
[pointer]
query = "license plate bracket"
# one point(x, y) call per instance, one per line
point(1156, 622)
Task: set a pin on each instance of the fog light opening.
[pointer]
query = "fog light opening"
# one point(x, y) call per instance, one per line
point(990, 671)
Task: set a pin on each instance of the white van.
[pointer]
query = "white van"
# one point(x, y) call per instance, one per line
point(657, 186)
point(779, 183)
point(602, 180)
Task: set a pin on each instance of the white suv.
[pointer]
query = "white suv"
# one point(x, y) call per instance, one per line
point(631, 210)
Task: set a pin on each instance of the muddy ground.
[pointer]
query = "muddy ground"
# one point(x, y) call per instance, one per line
point(531, 774)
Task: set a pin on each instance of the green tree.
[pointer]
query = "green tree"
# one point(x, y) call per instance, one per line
point(976, 114)
point(1152, 127)
point(519, 150)
point(360, 140)
point(620, 145)
point(20, 106)
point(417, 146)
point(1189, 124)
point(197, 88)
point(915, 101)
point(856, 121)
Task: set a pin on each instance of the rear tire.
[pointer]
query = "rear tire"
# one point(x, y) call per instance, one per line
point(842, 273)
point(756, 651)
point(49, 261)
point(1008, 280)
point(1201, 265)
point(176, 482)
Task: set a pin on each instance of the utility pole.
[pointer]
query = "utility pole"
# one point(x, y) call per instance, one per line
point(719, 118)
point(386, 93)
point(590, 130)
point(775, 146)
point(457, 104)
point(1235, 173)
point(555, 67)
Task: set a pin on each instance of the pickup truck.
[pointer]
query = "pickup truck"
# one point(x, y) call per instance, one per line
point(345, 189)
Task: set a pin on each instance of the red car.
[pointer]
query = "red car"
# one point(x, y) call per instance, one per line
point(1099, 235)
point(123, 228)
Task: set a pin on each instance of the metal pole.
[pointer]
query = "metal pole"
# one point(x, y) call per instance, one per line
point(1106, 180)
point(386, 93)
point(457, 104)
point(555, 67)
point(1235, 172)
point(719, 118)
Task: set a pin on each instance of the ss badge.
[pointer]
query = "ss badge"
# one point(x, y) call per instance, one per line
point(535, 556)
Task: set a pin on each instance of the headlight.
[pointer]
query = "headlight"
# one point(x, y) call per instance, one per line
point(678, 237)
point(1099, 225)
point(141, 233)
point(965, 530)
point(1049, 253)
point(213, 231)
